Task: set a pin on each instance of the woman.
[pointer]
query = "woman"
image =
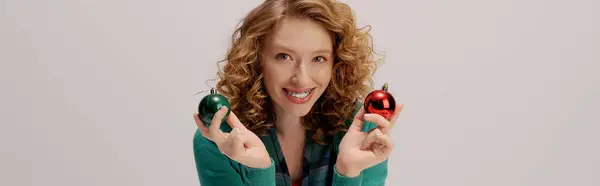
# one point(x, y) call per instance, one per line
point(295, 75)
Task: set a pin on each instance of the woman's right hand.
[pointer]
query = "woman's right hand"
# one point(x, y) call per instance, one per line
point(241, 145)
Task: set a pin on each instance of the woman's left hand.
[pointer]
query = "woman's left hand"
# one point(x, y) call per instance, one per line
point(360, 150)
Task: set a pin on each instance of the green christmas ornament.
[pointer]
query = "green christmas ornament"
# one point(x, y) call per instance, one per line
point(210, 105)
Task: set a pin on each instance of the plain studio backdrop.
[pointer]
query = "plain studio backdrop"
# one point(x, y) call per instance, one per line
point(497, 93)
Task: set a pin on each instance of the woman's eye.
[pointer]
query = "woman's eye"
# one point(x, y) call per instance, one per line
point(282, 56)
point(319, 59)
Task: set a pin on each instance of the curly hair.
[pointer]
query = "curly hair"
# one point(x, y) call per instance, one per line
point(241, 79)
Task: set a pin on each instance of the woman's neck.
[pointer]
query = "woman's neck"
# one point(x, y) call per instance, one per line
point(287, 125)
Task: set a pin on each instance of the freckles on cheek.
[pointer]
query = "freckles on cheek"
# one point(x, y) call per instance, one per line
point(270, 75)
point(269, 72)
point(324, 77)
point(267, 68)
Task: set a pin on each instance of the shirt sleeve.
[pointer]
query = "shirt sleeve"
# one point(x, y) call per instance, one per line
point(341, 180)
point(216, 169)
point(373, 176)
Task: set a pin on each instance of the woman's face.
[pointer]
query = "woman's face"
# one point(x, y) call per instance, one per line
point(297, 63)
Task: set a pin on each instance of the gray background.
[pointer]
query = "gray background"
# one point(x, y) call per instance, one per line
point(497, 93)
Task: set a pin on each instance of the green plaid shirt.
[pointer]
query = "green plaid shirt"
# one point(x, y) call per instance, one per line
point(316, 161)
point(318, 168)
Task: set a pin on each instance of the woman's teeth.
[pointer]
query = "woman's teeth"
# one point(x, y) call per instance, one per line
point(299, 94)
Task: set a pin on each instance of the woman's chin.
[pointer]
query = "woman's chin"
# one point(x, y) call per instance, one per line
point(298, 110)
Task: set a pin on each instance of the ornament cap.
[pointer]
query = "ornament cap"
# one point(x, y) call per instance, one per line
point(385, 87)
point(213, 90)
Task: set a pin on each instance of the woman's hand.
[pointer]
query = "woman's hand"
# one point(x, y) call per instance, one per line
point(361, 150)
point(241, 145)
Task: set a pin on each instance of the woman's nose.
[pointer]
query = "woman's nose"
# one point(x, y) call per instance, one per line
point(300, 76)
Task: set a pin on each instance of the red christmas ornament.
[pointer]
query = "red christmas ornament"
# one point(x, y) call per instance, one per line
point(380, 102)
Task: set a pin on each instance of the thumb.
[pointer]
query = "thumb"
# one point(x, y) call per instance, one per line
point(383, 145)
point(370, 139)
point(357, 122)
point(238, 140)
point(251, 139)
point(233, 145)
point(234, 122)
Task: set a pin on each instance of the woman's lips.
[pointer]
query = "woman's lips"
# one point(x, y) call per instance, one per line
point(297, 100)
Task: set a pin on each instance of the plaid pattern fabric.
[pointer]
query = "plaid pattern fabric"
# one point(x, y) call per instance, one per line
point(317, 165)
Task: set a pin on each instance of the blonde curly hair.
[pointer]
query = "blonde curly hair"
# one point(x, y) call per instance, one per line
point(241, 79)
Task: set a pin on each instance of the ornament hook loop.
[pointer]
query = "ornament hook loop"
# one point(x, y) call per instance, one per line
point(385, 87)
